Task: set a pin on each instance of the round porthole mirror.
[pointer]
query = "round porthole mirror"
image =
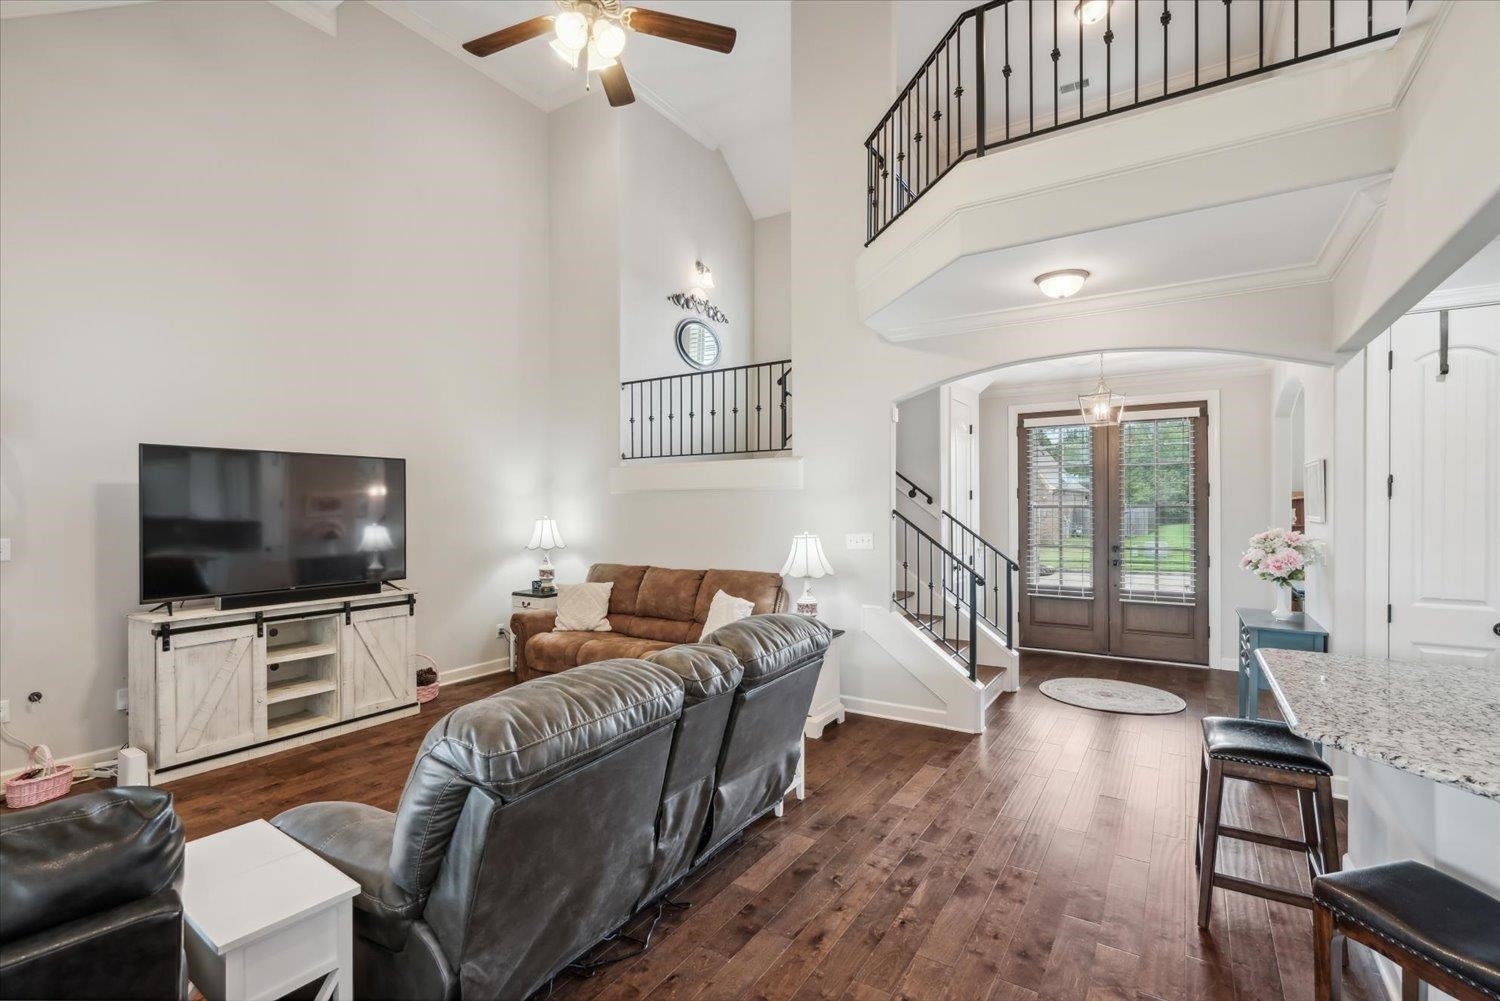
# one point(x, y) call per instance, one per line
point(697, 343)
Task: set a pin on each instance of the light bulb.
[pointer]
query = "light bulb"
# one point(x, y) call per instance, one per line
point(1061, 284)
point(598, 62)
point(1091, 11)
point(567, 55)
point(572, 29)
point(609, 38)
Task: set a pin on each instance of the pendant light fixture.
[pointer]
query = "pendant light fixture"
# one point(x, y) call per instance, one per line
point(1103, 407)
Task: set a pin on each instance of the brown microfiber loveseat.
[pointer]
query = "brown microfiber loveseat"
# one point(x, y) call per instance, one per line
point(650, 609)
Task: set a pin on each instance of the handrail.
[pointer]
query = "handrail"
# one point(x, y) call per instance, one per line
point(737, 410)
point(922, 135)
point(991, 561)
point(919, 551)
point(912, 493)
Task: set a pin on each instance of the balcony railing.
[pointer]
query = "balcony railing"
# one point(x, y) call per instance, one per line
point(728, 411)
point(1015, 69)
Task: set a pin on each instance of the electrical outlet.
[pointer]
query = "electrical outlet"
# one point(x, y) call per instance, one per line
point(500, 630)
point(4, 710)
point(861, 540)
point(122, 699)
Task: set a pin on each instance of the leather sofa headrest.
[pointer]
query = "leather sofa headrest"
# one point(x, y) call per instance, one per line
point(705, 670)
point(514, 741)
point(86, 854)
point(768, 646)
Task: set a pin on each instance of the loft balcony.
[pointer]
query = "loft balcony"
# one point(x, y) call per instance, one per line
point(1171, 137)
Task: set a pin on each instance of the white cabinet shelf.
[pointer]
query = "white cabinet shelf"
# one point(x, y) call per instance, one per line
point(285, 726)
point(289, 652)
point(298, 688)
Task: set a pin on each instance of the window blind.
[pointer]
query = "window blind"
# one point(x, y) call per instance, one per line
point(1157, 534)
point(1060, 510)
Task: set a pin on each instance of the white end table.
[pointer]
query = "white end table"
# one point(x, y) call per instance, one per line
point(265, 916)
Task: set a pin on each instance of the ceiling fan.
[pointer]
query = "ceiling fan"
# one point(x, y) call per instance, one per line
point(594, 30)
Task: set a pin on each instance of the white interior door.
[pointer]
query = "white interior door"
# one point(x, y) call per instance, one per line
point(1445, 488)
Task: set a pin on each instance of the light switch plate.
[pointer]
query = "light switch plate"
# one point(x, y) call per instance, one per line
point(122, 699)
point(4, 550)
point(859, 540)
point(4, 710)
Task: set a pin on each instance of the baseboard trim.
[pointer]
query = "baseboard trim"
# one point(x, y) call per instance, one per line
point(1124, 660)
point(937, 718)
point(483, 669)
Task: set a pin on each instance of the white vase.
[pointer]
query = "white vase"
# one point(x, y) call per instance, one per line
point(1283, 609)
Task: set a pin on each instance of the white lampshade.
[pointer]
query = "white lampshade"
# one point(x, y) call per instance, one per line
point(376, 538)
point(546, 536)
point(572, 29)
point(806, 558)
point(609, 37)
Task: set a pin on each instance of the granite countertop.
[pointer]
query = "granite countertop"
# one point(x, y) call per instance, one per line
point(1439, 721)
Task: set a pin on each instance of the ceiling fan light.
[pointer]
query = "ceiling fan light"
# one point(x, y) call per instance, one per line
point(1062, 284)
point(609, 39)
point(572, 30)
point(1091, 11)
point(567, 55)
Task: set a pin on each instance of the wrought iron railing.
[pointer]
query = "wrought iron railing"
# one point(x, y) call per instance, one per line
point(928, 572)
point(724, 411)
point(997, 604)
point(911, 489)
point(988, 81)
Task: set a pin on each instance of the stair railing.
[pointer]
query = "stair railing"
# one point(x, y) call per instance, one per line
point(911, 489)
point(741, 410)
point(930, 568)
point(993, 566)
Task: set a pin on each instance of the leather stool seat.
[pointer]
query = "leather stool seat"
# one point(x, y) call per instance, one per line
point(1437, 918)
point(1263, 742)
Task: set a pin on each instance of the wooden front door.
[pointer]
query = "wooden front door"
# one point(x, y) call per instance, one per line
point(1114, 534)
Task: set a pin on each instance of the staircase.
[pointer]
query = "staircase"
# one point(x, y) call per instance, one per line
point(950, 621)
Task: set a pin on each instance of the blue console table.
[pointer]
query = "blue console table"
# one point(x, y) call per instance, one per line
point(1259, 629)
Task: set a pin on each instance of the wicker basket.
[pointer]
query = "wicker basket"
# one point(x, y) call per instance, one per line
point(426, 693)
point(43, 779)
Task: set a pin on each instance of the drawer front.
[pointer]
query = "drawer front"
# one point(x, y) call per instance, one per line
point(1291, 641)
point(520, 604)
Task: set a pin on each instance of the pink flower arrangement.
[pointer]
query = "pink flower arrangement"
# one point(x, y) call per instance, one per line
point(1281, 555)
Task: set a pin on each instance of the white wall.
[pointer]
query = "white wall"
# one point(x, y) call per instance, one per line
point(681, 205)
point(773, 294)
point(219, 225)
point(1244, 423)
point(919, 456)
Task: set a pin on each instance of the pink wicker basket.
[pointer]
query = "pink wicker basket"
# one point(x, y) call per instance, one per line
point(43, 779)
point(426, 693)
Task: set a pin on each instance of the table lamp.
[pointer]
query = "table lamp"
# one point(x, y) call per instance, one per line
point(546, 537)
point(806, 560)
point(375, 539)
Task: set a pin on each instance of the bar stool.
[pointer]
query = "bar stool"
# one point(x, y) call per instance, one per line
point(1268, 752)
point(1435, 928)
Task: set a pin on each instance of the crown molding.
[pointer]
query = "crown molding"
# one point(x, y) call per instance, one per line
point(1459, 298)
point(1241, 369)
point(323, 16)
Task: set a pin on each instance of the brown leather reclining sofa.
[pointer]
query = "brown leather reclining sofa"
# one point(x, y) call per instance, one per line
point(650, 609)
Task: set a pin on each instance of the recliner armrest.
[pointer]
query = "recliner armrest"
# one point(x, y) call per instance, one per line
point(524, 625)
point(356, 839)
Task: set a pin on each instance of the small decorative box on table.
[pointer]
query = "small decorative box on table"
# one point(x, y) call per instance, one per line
point(265, 916)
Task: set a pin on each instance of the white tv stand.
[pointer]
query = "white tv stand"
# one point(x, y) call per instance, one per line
point(212, 687)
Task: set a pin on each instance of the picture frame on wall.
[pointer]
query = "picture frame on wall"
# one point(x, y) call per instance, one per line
point(1314, 491)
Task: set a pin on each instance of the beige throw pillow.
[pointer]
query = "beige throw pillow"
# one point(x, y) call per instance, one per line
point(724, 609)
point(583, 607)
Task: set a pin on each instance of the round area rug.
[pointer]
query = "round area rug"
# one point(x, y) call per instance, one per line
point(1113, 696)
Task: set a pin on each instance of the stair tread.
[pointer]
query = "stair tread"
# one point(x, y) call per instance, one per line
point(988, 673)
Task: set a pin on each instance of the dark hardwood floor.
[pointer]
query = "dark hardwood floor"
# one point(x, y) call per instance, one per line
point(1050, 858)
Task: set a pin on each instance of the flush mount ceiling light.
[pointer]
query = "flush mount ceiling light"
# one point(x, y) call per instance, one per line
point(1102, 407)
point(1061, 284)
point(1091, 11)
point(597, 29)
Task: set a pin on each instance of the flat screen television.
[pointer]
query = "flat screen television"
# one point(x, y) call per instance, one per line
point(221, 522)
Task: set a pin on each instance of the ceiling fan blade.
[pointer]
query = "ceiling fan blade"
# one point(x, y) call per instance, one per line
point(617, 86)
point(703, 34)
point(506, 37)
